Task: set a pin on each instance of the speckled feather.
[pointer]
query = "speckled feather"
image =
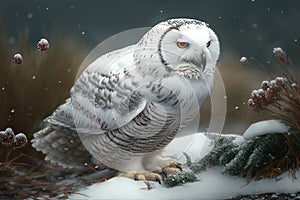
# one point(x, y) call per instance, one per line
point(130, 103)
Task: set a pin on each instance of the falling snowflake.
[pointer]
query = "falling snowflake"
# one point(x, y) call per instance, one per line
point(244, 61)
point(18, 58)
point(30, 15)
point(43, 45)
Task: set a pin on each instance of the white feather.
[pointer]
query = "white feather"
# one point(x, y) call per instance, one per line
point(130, 103)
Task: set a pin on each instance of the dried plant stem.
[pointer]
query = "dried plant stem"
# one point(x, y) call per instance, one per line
point(7, 155)
point(37, 178)
point(262, 67)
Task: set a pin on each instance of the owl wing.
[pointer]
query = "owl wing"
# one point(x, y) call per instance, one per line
point(105, 96)
point(100, 101)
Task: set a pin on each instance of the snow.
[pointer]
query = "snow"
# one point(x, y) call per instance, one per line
point(195, 145)
point(238, 139)
point(18, 58)
point(254, 93)
point(277, 50)
point(129, 189)
point(244, 61)
point(265, 127)
point(212, 184)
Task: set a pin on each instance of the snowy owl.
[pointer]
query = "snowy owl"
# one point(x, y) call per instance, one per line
point(130, 103)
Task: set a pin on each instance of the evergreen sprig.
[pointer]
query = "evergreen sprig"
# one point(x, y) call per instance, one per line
point(223, 152)
point(266, 156)
point(238, 163)
point(180, 178)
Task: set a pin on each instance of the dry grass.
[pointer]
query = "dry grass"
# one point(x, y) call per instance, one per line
point(27, 177)
point(285, 151)
point(239, 81)
point(33, 99)
point(281, 98)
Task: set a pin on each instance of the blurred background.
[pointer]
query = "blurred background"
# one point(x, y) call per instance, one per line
point(31, 91)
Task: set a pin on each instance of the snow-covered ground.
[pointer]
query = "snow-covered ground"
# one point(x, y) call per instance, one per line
point(212, 183)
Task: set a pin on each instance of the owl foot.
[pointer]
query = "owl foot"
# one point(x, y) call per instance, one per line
point(172, 168)
point(158, 175)
point(143, 176)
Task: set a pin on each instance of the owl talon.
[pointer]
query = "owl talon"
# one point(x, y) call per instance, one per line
point(158, 180)
point(136, 178)
point(164, 173)
point(178, 166)
point(175, 164)
point(172, 168)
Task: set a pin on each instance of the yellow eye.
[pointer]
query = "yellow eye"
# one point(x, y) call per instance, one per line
point(183, 44)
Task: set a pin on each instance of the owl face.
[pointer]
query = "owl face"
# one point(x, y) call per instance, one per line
point(186, 47)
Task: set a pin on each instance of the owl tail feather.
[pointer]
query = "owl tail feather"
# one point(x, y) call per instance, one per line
point(62, 146)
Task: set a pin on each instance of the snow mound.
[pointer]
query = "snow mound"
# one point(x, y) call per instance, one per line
point(195, 145)
point(265, 127)
point(212, 184)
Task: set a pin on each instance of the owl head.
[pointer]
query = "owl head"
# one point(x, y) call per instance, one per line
point(187, 47)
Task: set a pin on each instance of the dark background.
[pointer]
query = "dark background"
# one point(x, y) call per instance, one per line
point(245, 27)
point(74, 27)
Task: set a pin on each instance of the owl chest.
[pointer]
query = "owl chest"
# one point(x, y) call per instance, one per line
point(179, 104)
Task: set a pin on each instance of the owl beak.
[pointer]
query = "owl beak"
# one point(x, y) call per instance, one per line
point(202, 63)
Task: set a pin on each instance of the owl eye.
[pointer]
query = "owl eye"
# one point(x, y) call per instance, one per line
point(208, 44)
point(183, 45)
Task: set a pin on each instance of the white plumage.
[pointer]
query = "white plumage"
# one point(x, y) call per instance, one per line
point(130, 103)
